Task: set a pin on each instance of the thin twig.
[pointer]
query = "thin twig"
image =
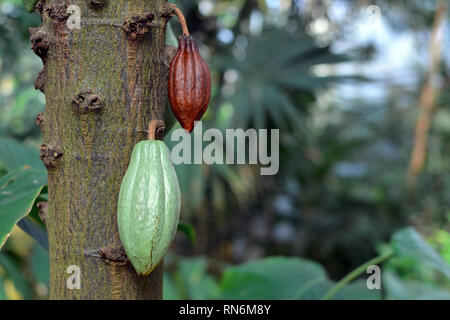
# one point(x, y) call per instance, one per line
point(153, 126)
point(427, 98)
point(356, 273)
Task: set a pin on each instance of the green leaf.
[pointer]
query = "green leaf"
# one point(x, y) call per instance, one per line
point(192, 184)
point(262, 94)
point(18, 191)
point(275, 278)
point(192, 280)
point(278, 103)
point(44, 196)
point(34, 213)
point(35, 231)
point(285, 278)
point(170, 291)
point(200, 285)
point(29, 4)
point(398, 289)
point(40, 266)
point(357, 291)
point(188, 230)
point(14, 154)
point(409, 243)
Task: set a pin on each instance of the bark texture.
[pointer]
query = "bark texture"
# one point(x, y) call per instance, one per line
point(103, 84)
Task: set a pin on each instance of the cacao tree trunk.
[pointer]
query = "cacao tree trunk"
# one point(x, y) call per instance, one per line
point(103, 83)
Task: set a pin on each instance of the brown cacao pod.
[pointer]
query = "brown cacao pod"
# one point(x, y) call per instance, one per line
point(189, 83)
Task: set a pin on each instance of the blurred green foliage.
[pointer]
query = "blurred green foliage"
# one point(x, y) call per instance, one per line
point(339, 196)
point(294, 278)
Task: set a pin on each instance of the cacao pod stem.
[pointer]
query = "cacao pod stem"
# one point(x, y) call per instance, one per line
point(181, 18)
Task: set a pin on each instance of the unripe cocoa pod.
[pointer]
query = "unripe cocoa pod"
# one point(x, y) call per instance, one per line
point(149, 205)
point(189, 83)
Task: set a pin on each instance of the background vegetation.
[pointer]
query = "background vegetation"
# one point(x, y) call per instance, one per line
point(343, 87)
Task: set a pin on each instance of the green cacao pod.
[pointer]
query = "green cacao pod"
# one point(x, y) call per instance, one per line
point(149, 205)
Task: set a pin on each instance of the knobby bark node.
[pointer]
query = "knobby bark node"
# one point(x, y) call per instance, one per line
point(50, 155)
point(40, 119)
point(40, 42)
point(167, 11)
point(114, 256)
point(137, 26)
point(42, 207)
point(40, 81)
point(57, 12)
point(86, 101)
point(96, 4)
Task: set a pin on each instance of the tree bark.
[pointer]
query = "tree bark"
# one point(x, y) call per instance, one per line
point(103, 83)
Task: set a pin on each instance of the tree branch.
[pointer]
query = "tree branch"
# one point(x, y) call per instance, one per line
point(427, 98)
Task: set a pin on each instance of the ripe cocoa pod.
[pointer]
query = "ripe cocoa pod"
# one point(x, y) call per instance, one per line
point(149, 205)
point(189, 83)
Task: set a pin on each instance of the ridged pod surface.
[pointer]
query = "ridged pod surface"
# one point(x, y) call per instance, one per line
point(149, 205)
point(189, 83)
